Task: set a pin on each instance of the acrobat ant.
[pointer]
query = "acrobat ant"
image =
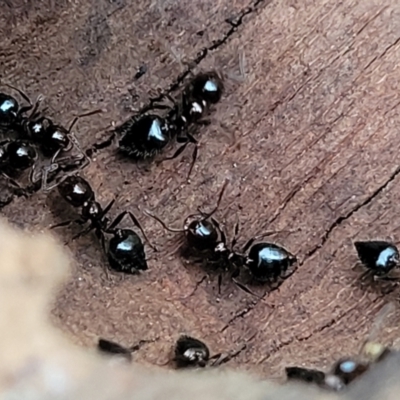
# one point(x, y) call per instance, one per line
point(144, 136)
point(125, 250)
point(112, 348)
point(267, 262)
point(305, 375)
point(379, 256)
point(203, 234)
point(52, 139)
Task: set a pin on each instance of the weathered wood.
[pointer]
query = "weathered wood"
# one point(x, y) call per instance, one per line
point(315, 145)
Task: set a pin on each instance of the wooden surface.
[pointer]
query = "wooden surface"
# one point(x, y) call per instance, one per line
point(307, 133)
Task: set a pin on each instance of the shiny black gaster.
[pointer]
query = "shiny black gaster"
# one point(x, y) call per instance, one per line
point(144, 137)
point(268, 261)
point(378, 256)
point(191, 352)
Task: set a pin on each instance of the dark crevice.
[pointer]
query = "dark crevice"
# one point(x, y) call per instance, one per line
point(325, 237)
point(240, 314)
point(343, 218)
point(234, 22)
point(320, 329)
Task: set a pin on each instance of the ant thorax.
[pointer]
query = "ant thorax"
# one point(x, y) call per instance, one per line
point(197, 108)
point(221, 248)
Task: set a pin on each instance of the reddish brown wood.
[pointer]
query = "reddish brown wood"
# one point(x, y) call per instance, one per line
point(308, 138)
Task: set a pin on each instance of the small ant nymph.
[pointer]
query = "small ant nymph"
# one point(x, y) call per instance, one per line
point(378, 256)
point(125, 250)
point(191, 352)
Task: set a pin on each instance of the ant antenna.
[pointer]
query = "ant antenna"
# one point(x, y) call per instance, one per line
point(74, 121)
point(25, 97)
point(206, 216)
point(160, 221)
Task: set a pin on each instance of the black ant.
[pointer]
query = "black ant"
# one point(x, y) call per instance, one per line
point(52, 139)
point(379, 256)
point(348, 369)
point(112, 348)
point(191, 352)
point(11, 114)
point(145, 136)
point(266, 261)
point(305, 375)
point(16, 156)
point(125, 249)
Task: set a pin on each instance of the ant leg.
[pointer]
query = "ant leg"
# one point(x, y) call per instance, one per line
point(34, 113)
point(194, 158)
point(235, 235)
point(11, 180)
point(208, 215)
point(108, 207)
point(82, 155)
point(245, 288)
point(386, 278)
point(177, 152)
point(149, 214)
point(23, 94)
point(221, 358)
point(83, 232)
point(103, 245)
point(75, 120)
point(66, 223)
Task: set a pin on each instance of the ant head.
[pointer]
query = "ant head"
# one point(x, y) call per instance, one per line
point(201, 234)
point(208, 87)
point(191, 352)
point(9, 108)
